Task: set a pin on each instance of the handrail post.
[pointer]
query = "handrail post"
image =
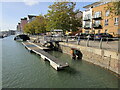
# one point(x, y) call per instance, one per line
point(94, 37)
point(67, 39)
point(87, 44)
point(78, 40)
point(100, 45)
point(107, 39)
point(50, 38)
point(118, 45)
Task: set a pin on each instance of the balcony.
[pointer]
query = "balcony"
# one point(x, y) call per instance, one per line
point(97, 26)
point(86, 19)
point(97, 17)
point(87, 27)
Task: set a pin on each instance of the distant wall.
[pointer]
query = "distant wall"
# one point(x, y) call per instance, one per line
point(106, 59)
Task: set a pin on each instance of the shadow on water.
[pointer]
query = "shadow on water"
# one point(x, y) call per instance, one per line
point(54, 53)
point(69, 70)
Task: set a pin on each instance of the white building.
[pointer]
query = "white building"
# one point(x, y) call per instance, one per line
point(87, 20)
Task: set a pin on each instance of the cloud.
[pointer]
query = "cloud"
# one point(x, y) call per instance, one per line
point(31, 2)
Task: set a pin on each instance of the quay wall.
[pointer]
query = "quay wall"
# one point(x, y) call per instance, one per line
point(106, 59)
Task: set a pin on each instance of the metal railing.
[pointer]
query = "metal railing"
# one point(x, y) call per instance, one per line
point(102, 43)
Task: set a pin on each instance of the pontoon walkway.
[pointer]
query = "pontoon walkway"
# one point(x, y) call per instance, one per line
point(54, 62)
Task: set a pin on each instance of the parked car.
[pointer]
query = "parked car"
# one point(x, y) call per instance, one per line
point(104, 36)
point(57, 35)
point(90, 36)
point(82, 35)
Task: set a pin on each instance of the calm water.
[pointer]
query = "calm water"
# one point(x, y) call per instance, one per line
point(22, 69)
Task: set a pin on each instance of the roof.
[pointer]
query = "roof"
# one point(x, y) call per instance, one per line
point(30, 16)
point(93, 4)
point(24, 18)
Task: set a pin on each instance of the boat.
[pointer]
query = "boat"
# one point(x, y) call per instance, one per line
point(21, 37)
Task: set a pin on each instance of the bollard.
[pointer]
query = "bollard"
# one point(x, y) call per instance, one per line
point(87, 44)
point(100, 45)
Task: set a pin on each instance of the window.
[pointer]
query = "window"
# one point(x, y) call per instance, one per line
point(93, 31)
point(106, 31)
point(97, 23)
point(107, 13)
point(87, 17)
point(116, 21)
point(97, 14)
point(106, 22)
point(118, 31)
point(87, 24)
point(87, 31)
point(98, 31)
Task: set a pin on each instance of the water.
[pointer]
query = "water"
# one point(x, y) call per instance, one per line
point(21, 69)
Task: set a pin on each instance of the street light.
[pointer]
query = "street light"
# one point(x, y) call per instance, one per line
point(70, 24)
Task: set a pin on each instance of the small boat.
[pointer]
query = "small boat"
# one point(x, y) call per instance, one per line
point(22, 37)
point(5, 35)
point(1, 36)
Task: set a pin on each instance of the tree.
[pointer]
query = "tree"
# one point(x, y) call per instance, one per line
point(62, 16)
point(114, 8)
point(36, 26)
point(29, 28)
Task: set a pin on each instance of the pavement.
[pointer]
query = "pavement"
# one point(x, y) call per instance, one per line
point(107, 45)
point(110, 45)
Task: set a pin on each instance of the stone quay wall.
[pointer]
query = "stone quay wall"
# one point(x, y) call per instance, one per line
point(106, 59)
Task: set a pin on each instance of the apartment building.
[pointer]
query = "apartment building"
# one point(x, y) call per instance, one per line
point(99, 19)
point(87, 20)
point(23, 23)
point(31, 18)
point(19, 27)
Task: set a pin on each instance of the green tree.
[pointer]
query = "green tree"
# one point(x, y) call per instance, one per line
point(114, 8)
point(61, 15)
point(36, 26)
point(29, 28)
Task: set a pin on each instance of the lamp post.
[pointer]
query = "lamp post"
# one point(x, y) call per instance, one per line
point(70, 24)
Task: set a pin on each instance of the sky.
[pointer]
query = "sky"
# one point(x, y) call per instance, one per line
point(12, 12)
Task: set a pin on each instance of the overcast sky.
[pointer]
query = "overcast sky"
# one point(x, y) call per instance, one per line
point(11, 12)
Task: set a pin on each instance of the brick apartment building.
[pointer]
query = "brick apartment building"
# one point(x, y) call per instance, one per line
point(97, 19)
point(31, 18)
point(19, 27)
point(23, 23)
